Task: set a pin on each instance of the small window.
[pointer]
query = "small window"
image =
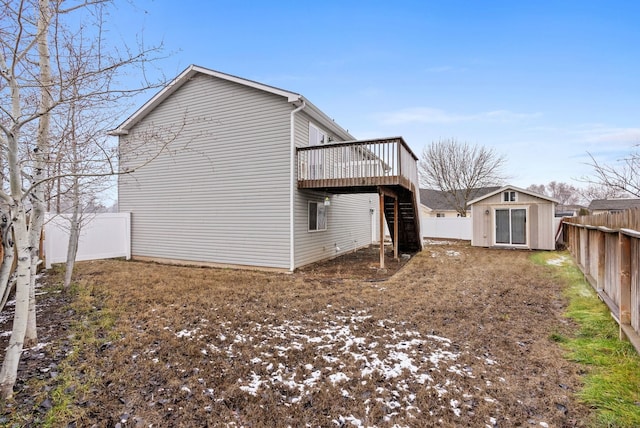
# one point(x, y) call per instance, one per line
point(439, 214)
point(509, 196)
point(317, 216)
point(316, 136)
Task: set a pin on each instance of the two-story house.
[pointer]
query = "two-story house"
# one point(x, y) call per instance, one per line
point(221, 170)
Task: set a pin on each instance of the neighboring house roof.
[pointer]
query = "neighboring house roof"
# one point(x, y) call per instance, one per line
point(437, 200)
point(517, 189)
point(614, 204)
point(568, 210)
point(292, 97)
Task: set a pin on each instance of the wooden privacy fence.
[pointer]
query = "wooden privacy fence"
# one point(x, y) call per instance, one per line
point(607, 250)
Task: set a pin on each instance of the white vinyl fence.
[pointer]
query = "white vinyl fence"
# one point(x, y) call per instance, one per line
point(446, 227)
point(454, 227)
point(103, 236)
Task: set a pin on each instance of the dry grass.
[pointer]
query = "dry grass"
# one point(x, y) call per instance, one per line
point(460, 336)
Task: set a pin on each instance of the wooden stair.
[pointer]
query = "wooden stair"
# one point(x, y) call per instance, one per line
point(409, 239)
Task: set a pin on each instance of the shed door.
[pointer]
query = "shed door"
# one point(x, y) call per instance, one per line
point(511, 226)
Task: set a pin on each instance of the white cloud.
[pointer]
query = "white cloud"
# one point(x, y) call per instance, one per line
point(613, 135)
point(434, 115)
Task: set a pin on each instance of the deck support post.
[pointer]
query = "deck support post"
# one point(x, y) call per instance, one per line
point(381, 230)
point(395, 228)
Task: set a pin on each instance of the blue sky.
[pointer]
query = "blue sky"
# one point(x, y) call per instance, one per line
point(541, 82)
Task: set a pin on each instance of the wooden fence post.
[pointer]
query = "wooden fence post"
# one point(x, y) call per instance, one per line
point(625, 281)
point(601, 260)
point(587, 251)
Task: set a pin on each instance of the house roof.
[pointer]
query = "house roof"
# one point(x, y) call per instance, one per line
point(614, 204)
point(294, 98)
point(437, 199)
point(517, 189)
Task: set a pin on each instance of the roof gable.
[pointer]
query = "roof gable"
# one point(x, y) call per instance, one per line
point(295, 99)
point(516, 189)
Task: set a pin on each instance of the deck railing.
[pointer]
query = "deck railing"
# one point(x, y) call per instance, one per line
point(387, 161)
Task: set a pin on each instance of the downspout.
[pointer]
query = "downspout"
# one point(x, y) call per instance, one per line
point(292, 188)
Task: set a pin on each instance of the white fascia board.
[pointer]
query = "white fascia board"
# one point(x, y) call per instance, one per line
point(514, 188)
point(325, 121)
point(147, 107)
point(184, 77)
point(290, 96)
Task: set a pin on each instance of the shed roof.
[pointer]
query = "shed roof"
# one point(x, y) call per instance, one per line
point(614, 204)
point(439, 200)
point(292, 97)
point(517, 189)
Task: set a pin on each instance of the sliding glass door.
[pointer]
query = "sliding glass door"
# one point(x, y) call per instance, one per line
point(511, 226)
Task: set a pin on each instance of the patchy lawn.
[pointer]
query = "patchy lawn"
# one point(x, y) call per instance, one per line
point(459, 336)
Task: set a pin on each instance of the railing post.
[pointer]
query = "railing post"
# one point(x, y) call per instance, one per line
point(399, 143)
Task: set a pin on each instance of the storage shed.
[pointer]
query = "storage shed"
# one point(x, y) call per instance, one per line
point(511, 217)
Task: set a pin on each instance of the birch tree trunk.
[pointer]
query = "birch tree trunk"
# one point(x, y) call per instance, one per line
point(74, 236)
point(74, 229)
point(9, 371)
point(17, 212)
point(36, 220)
point(37, 90)
point(6, 284)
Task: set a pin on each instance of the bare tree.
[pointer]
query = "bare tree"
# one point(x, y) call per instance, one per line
point(457, 168)
point(566, 193)
point(36, 80)
point(538, 188)
point(595, 191)
point(623, 176)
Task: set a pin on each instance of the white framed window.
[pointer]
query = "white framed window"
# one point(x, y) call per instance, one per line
point(317, 219)
point(316, 135)
point(509, 196)
point(439, 214)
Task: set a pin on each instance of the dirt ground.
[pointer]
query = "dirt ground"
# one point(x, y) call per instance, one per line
point(455, 336)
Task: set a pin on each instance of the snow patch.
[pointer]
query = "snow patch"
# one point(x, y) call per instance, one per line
point(559, 261)
point(343, 354)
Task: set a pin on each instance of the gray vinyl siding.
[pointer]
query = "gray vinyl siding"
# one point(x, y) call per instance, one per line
point(220, 192)
point(348, 226)
point(348, 216)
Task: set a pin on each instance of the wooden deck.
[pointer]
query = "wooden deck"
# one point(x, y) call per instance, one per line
point(384, 166)
point(358, 166)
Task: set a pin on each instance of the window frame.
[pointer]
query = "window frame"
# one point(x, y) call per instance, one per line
point(318, 132)
point(509, 196)
point(320, 213)
point(526, 225)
